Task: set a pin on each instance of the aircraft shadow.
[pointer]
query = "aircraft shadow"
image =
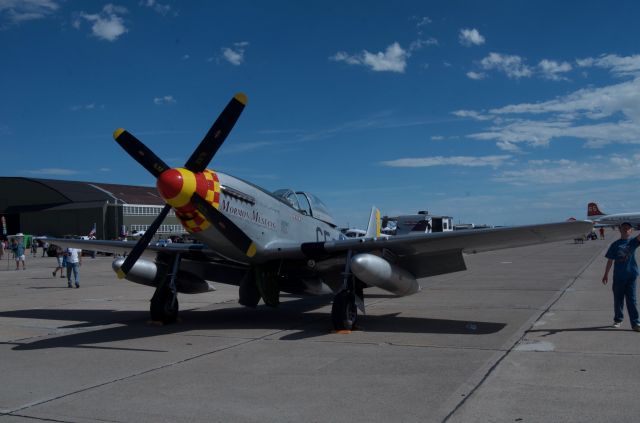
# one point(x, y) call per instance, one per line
point(300, 316)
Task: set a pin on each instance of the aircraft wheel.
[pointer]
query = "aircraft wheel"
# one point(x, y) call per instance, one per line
point(163, 307)
point(344, 312)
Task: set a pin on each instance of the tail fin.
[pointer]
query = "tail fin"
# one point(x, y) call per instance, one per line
point(593, 210)
point(374, 227)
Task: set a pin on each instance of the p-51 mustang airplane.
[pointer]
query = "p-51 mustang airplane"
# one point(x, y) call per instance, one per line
point(285, 241)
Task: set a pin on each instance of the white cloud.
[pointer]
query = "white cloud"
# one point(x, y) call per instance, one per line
point(419, 43)
point(185, 57)
point(598, 116)
point(471, 114)
point(90, 106)
point(167, 99)
point(470, 37)
point(394, 59)
point(551, 69)
point(467, 161)
point(476, 75)
point(235, 55)
point(565, 171)
point(512, 66)
point(17, 11)
point(53, 171)
point(594, 103)
point(437, 137)
point(107, 25)
point(160, 8)
point(424, 20)
point(619, 66)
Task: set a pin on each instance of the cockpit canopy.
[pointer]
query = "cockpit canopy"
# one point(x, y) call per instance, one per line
point(305, 203)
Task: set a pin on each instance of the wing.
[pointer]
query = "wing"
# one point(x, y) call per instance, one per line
point(436, 253)
point(125, 247)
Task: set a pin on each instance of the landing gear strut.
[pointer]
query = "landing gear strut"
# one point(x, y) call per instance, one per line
point(344, 311)
point(164, 303)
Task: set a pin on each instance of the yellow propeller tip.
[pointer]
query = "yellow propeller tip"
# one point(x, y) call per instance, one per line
point(251, 251)
point(121, 274)
point(117, 133)
point(242, 98)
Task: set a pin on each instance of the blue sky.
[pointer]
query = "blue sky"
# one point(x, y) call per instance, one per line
point(495, 112)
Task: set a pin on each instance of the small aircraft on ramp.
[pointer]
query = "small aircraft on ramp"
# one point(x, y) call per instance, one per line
point(283, 241)
point(601, 219)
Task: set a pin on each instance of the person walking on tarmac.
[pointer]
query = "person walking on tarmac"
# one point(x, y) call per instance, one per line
point(622, 256)
point(61, 259)
point(601, 232)
point(18, 252)
point(74, 261)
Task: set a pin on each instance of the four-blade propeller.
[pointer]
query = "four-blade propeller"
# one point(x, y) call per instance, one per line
point(196, 164)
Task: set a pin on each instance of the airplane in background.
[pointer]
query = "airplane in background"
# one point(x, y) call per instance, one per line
point(601, 219)
point(283, 241)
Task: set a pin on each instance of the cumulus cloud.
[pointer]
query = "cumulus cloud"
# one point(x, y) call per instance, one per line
point(393, 59)
point(106, 25)
point(235, 54)
point(553, 70)
point(467, 161)
point(513, 66)
point(167, 99)
point(476, 75)
point(470, 37)
point(17, 11)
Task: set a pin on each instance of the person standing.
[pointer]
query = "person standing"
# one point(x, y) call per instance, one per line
point(74, 261)
point(622, 256)
point(61, 259)
point(601, 232)
point(18, 252)
point(45, 247)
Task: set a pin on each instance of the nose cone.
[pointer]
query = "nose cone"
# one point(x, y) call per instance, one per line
point(176, 186)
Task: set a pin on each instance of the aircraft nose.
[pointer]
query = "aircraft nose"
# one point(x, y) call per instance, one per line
point(176, 186)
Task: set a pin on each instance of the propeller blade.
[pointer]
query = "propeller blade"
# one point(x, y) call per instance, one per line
point(139, 248)
point(140, 152)
point(223, 224)
point(217, 134)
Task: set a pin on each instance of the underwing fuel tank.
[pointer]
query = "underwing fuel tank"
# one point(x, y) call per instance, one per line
point(145, 272)
point(376, 271)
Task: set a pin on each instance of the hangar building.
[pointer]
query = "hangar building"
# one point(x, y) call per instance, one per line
point(60, 208)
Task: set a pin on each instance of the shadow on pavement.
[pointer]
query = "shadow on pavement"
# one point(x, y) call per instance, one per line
point(300, 316)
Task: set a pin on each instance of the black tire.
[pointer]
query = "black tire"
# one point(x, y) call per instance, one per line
point(163, 308)
point(344, 312)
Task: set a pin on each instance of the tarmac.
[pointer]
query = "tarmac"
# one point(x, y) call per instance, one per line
point(524, 335)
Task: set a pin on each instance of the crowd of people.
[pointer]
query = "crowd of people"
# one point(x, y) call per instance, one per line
point(68, 260)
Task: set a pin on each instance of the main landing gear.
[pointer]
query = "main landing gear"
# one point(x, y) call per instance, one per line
point(344, 311)
point(164, 303)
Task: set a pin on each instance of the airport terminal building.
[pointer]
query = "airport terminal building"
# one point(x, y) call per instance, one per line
point(60, 208)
